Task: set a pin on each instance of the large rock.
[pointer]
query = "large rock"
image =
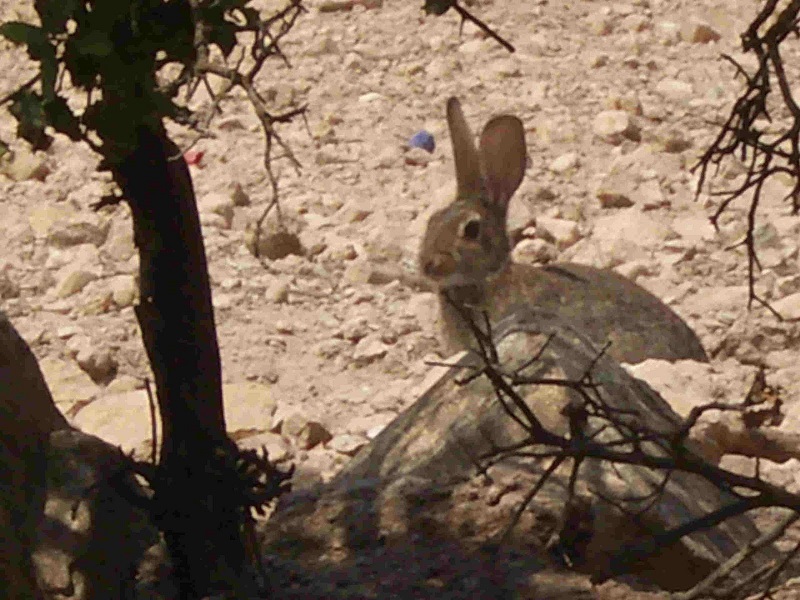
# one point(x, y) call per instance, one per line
point(418, 478)
point(27, 416)
point(91, 539)
point(65, 530)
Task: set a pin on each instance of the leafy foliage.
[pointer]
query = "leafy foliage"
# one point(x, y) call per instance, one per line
point(113, 51)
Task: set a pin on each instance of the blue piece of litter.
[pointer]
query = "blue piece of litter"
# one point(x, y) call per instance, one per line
point(422, 139)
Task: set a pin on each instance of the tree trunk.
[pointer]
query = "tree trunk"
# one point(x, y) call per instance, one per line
point(195, 506)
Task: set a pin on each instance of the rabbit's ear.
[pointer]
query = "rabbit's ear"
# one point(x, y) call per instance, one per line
point(503, 158)
point(468, 166)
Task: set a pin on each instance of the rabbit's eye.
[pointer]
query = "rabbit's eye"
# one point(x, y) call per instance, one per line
point(472, 229)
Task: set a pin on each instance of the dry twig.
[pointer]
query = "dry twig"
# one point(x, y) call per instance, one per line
point(744, 134)
point(592, 415)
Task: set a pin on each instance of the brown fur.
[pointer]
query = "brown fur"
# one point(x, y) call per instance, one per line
point(466, 253)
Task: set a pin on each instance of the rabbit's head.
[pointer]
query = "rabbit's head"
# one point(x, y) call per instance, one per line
point(466, 242)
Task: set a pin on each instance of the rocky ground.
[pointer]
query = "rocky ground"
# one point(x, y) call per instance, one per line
point(322, 348)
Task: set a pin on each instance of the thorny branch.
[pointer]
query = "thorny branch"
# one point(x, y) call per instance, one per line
point(600, 431)
point(725, 570)
point(745, 133)
point(266, 35)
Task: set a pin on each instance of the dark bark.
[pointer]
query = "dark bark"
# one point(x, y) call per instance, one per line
point(193, 502)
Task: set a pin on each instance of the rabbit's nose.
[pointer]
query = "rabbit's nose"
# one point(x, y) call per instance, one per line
point(438, 266)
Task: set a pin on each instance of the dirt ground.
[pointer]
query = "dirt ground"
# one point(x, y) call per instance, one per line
point(327, 335)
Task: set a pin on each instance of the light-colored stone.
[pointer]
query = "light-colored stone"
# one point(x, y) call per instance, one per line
point(424, 308)
point(278, 449)
point(362, 271)
point(124, 383)
point(97, 303)
point(44, 215)
point(521, 214)
point(617, 190)
point(562, 232)
point(370, 349)
point(675, 90)
point(597, 59)
point(788, 307)
point(476, 46)
point(504, 68)
point(212, 220)
point(417, 157)
point(354, 330)
point(23, 165)
point(119, 244)
point(68, 383)
point(684, 384)
point(99, 363)
point(634, 269)
point(119, 419)
point(630, 103)
point(356, 210)
point(599, 23)
point(248, 406)
point(63, 226)
point(614, 126)
point(694, 228)
point(323, 44)
point(82, 255)
point(72, 280)
point(649, 195)
point(67, 332)
point(277, 291)
point(348, 444)
point(668, 33)
point(217, 203)
point(370, 97)
point(714, 300)
point(124, 290)
point(636, 23)
point(534, 251)
point(566, 162)
point(631, 225)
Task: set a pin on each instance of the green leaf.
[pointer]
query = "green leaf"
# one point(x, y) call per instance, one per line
point(171, 28)
point(49, 67)
point(438, 7)
point(23, 33)
point(27, 108)
point(56, 13)
point(61, 117)
point(94, 43)
point(39, 48)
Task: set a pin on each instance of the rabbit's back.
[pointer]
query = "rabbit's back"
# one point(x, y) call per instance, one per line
point(601, 303)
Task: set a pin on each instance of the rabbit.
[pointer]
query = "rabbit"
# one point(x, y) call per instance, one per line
point(465, 254)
